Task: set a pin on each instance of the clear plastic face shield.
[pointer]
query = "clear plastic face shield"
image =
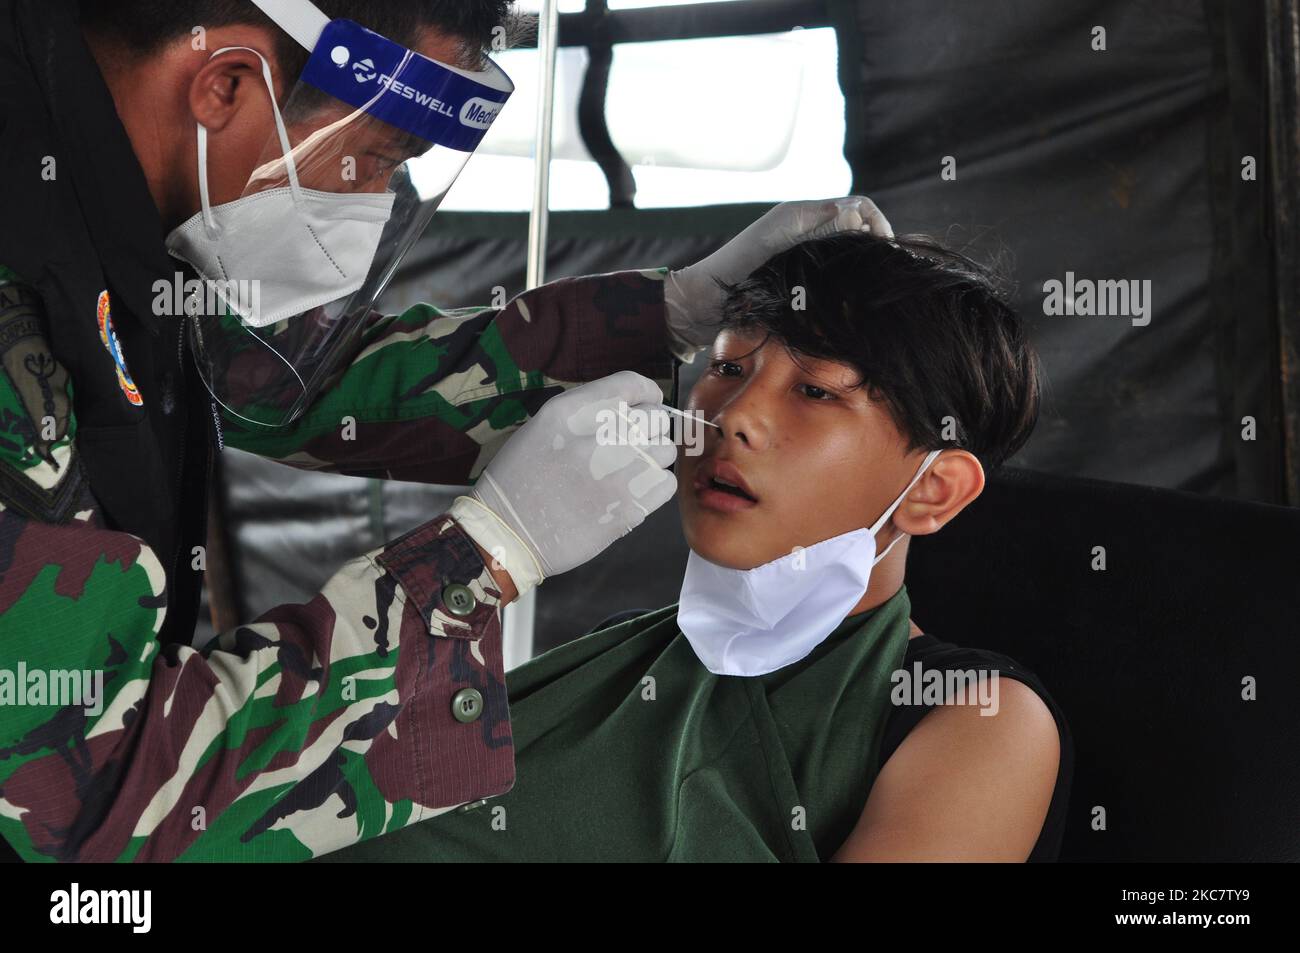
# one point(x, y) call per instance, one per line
point(368, 143)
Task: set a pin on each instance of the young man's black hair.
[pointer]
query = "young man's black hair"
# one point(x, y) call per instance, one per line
point(928, 328)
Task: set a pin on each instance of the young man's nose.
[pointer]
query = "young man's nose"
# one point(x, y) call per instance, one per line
point(741, 419)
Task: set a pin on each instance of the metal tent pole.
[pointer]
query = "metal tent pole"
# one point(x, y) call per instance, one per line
point(520, 616)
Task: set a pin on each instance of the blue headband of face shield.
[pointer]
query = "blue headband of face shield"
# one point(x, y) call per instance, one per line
point(436, 102)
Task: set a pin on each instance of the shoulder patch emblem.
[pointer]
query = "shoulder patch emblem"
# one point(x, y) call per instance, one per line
point(40, 475)
point(104, 312)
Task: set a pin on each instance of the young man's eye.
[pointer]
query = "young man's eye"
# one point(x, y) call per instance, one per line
point(815, 392)
point(725, 368)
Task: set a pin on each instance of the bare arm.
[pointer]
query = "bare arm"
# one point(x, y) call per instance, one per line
point(964, 786)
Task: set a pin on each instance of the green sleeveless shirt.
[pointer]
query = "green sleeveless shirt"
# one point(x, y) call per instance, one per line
point(628, 749)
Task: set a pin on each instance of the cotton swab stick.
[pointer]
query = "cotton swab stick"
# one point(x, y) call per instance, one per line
point(682, 413)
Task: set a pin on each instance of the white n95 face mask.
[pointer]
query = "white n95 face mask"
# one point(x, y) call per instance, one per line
point(280, 253)
point(755, 621)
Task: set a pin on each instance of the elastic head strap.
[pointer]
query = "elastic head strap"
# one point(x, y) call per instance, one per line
point(281, 131)
point(301, 19)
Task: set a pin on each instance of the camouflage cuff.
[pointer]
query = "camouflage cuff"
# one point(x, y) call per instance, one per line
point(441, 572)
point(618, 321)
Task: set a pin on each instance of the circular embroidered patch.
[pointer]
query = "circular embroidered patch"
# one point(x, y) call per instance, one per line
point(104, 311)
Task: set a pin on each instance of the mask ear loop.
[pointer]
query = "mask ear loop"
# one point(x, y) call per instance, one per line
point(290, 167)
point(893, 506)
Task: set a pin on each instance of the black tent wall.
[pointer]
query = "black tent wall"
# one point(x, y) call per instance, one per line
point(1122, 163)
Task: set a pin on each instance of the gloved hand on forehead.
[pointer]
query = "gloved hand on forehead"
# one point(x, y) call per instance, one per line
point(693, 299)
point(561, 490)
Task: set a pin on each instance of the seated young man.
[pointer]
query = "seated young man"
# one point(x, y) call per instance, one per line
point(861, 387)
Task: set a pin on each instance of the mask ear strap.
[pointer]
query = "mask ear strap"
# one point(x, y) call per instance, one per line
point(283, 133)
point(893, 506)
point(208, 220)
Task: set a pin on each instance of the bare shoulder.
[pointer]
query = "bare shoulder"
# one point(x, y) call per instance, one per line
point(1018, 717)
point(969, 782)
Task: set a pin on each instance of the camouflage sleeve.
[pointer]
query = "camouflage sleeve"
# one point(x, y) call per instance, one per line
point(376, 704)
point(379, 703)
point(431, 395)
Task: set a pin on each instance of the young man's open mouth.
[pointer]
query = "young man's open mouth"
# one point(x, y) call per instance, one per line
point(720, 486)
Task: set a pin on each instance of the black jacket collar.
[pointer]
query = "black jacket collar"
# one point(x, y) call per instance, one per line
point(116, 205)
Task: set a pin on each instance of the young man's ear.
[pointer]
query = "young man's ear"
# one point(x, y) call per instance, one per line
point(954, 480)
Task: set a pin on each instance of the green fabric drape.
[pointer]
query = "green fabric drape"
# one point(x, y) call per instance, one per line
point(628, 749)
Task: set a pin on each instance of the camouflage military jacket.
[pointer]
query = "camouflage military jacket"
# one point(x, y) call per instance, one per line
point(378, 703)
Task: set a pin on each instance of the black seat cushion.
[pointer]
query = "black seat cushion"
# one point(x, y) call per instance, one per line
point(1147, 658)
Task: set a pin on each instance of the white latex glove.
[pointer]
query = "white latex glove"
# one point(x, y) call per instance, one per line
point(560, 491)
point(693, 300)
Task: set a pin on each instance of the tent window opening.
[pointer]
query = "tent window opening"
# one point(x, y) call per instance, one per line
point(675, 122)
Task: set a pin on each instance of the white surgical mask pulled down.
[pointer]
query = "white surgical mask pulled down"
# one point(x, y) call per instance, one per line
point(280, 253)
point(755, 621)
